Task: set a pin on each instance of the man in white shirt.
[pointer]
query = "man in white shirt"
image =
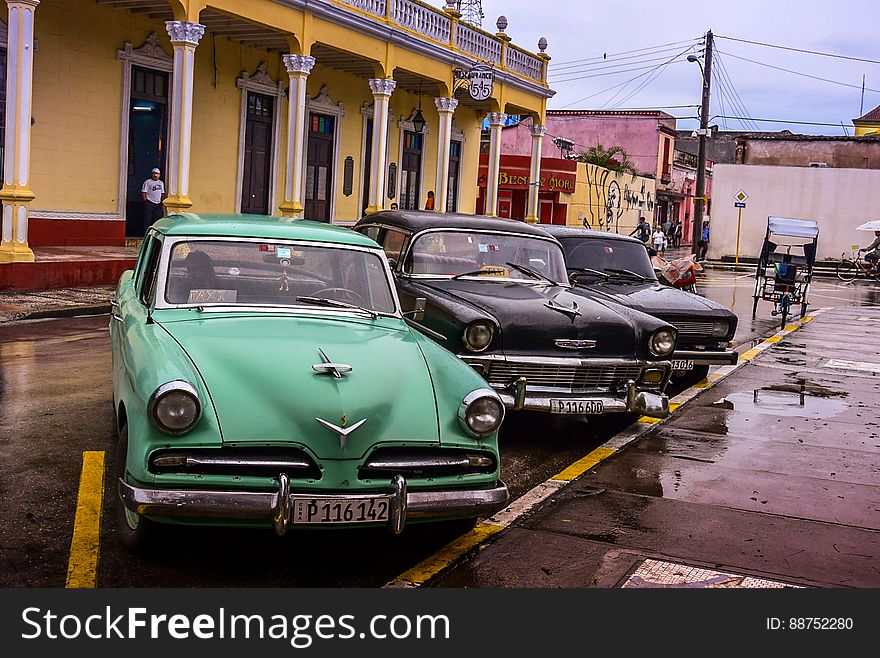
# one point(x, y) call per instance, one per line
point(153, 191)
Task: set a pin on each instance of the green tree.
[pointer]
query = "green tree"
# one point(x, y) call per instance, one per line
point(613, 157)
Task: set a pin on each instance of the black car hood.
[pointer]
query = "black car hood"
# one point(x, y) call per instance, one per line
point(529, 325)
point(659, 300)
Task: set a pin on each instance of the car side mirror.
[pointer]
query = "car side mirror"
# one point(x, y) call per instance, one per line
point(392, 264)
point(573, 278)
point(418, 313)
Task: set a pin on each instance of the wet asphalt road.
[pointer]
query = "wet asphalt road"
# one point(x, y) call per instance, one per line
point(55, 403)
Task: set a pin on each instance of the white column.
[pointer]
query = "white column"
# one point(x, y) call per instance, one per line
point(446, 108)
point(298, 68)
point(185, 36)
point(382, 89)
point(496, 122)
point(16, 193)
point(538, 132)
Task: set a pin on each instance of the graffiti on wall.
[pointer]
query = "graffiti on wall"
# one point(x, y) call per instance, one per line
point(607, 203)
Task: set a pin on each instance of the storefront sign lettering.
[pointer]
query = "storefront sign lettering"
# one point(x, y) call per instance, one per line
point(480, 80)
point(553, 183)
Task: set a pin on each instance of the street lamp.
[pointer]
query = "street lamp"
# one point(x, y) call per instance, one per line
point(700, 197)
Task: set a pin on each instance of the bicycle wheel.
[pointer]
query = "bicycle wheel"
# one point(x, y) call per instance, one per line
point(846, 271)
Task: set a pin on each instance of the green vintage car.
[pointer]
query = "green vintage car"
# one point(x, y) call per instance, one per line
point(264, 374)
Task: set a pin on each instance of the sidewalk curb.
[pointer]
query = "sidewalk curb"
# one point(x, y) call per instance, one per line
point(68, 312)
point(488, 530)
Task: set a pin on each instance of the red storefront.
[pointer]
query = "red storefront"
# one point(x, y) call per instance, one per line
point(557, 184)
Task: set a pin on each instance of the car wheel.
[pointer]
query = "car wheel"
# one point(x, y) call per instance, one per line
point(460, 526)
point(134, 530)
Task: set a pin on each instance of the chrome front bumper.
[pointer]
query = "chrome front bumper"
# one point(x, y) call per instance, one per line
point(706, 357)
point(275, 507)
point(645, 403)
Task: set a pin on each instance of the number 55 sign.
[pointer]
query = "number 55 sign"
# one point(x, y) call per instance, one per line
point(480, 80)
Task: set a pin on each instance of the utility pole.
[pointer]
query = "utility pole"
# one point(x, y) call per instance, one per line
point(700, 198)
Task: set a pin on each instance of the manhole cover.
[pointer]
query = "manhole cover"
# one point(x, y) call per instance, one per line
point(658, 574)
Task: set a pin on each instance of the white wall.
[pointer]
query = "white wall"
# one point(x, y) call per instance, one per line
point(839, 199)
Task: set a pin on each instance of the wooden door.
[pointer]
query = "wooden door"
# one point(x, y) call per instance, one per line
point(255, 181)
point(411, 171)
point(319, 168)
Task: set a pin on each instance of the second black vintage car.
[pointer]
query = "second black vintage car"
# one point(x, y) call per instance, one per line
point(496, 293)
point(615, 267)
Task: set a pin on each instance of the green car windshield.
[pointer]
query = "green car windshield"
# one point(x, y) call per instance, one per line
point(485, 254)
point(254, 273)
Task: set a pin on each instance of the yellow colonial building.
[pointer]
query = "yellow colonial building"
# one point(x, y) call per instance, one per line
point(326, 109)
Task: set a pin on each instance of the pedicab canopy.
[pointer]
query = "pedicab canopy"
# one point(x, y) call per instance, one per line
point(796, 238)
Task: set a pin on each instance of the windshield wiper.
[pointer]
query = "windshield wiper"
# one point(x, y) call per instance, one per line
point(589, 270)
point(323, 301)
point(532, 273)
point(626, 272)
point(488, 270)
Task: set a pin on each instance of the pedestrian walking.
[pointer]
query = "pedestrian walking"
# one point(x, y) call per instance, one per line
point(676, 234)
point(642, 231)
point(153, 192)
point(659, 239)
point(703, 244)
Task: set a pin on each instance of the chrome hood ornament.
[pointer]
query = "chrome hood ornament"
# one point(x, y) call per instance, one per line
point(573, 311)
point(328, 367)
point(341, 432)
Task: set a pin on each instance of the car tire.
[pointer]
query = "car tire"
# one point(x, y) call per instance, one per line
point(134, 530)
point(460, 526)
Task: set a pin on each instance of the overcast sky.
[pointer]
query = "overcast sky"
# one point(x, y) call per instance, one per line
point(621, 43)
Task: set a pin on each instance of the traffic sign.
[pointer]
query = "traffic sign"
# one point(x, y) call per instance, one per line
point(739, 204)
point(740, 196)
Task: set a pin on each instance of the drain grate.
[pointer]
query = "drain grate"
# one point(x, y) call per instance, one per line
point(660, 574)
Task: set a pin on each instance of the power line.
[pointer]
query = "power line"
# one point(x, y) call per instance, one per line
point(737, 102)
point(806, 75)
point(653, 76)
point(627, 52)
point(800, 50)
point(805, 123)
point(611, 66)
point(600, 75)
point(644, 57)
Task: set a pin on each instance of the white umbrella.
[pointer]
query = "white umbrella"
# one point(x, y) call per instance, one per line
point(873, 225)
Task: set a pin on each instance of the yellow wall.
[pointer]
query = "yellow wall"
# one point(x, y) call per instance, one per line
point(606, 200)
point(77, 111)
point(863, 129)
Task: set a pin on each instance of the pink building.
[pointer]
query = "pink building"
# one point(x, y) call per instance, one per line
point(682, 189)
point(648, 136)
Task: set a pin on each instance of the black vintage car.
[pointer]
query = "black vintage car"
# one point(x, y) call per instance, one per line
point(496, 293)
point(609, 266)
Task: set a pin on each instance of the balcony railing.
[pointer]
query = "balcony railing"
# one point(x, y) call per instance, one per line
point(438, 25)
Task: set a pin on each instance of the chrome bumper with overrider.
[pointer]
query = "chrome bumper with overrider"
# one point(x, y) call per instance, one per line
point(276, 506)
point(530, 383)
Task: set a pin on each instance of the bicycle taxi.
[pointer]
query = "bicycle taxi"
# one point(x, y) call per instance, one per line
point(785, 266)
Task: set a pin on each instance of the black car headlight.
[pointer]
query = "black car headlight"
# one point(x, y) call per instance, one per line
point(478, 335)
point(174, 407)
point(662, 342)
point(481, 412)
point(720, 328)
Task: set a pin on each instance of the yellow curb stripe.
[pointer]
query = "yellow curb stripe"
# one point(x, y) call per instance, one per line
point(82, 566)
point(431, 566)
point(673, 406)
point(649, 420)
point(773, 339)
point(792, 327)
point(749, 354)
point(584, 464)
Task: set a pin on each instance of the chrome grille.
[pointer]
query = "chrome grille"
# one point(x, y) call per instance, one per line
point(599, 377)
point(699, 328)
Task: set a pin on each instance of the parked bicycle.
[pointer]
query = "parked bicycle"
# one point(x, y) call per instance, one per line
point(851, 267)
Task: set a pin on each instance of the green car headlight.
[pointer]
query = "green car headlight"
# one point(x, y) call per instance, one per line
point(174, 407)
point(478, 335)
point(662, 342)
point(720, 328)
point(481, 412)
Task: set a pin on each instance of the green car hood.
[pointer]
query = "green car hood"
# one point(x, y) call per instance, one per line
point(258, 373)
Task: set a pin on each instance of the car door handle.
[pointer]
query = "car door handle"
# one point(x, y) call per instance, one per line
point(114, 303)
point(117, 317)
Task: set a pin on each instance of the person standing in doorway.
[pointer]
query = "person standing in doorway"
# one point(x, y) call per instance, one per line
point(153, 192)
point(429, 204)
point(703, 244)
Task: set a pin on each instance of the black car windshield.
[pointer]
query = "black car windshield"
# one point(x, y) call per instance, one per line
point(266, 273)
point(479, 254)
point(609, 256)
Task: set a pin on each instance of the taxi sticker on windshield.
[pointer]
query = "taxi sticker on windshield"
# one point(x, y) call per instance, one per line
point(282, 252)
point(213, 296)
point(270, 248)
point(495, 270)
